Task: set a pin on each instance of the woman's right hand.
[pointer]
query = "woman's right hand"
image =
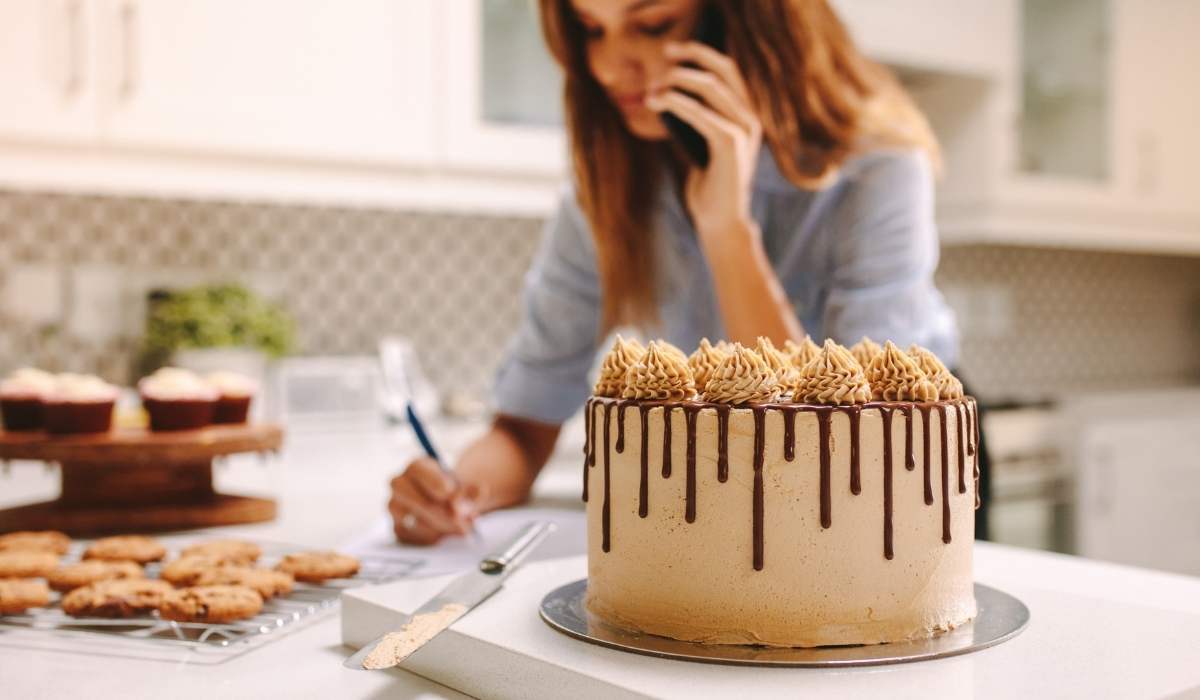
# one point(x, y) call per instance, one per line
point(427, 504)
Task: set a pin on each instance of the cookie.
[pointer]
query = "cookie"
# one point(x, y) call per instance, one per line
point(116, 598)
point(265, 582)
point(40, 541)
point(72, 576)
point(316, 567)
point(23, 564)
point(184, 570)
point(210, 604)
point(126, 548)
point(227, 550)
point(18, 595)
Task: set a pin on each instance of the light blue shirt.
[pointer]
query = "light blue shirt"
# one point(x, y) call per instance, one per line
point(855, 259)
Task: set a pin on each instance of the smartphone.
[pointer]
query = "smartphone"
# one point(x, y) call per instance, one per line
point(710, 30)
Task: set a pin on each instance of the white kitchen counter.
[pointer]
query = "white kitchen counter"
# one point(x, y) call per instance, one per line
point(333, 486)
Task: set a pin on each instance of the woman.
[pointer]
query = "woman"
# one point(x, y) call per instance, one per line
point(813, 215)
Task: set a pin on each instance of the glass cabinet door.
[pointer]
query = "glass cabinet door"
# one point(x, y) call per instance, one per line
point(521, 83)
point(1064, 126)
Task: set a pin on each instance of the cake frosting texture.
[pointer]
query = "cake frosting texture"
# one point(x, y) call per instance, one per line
point(747, 516)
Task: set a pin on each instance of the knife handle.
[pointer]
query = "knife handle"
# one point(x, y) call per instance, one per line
point(526, 540)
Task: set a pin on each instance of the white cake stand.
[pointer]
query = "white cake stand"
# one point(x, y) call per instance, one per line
point(1001, 617)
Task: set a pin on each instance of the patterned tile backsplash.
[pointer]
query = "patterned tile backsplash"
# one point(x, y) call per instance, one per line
point(74, 270)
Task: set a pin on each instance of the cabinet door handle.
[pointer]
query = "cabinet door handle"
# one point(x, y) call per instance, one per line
point(74, 79)
point(129, 50)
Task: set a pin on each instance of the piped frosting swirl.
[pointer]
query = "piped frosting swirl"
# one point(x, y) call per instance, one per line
point(786, 374)
point(865, 350)
point(661, 374)
point(894, 376)
point(833, 378)
point(947, 385)
point(705, 360)
point(803, 353)
point(743, 376)
point(620, 358)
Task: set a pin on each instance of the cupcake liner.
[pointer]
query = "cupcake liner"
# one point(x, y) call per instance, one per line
point(22, 414)
point(231, 409)
point(68, 417)
point(178, 414)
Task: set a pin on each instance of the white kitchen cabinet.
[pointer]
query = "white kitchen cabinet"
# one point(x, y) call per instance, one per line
point(298, 79)
point(1138, 461)
point(1089, 142)
point(46, 70)
point(971, 37)
point(503, 91)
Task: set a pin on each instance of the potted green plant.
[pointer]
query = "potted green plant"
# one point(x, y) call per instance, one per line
point(223, 326)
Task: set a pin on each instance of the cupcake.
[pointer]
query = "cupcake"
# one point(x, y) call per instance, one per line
point(234, 392)
point(21, 397)
point(79, 404)
point(177, 399)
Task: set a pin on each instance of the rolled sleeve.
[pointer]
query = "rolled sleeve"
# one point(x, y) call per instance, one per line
point(544, 375)
point(885, 251)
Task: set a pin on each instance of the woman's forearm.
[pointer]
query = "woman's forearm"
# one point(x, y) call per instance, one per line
point(751, 300)
point(505, 461)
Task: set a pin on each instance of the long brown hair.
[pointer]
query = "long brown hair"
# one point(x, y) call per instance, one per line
point(820, 101)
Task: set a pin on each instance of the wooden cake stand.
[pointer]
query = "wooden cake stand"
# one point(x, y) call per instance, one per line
point(135, 480)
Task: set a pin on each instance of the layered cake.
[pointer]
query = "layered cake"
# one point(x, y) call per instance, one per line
point(795, 496)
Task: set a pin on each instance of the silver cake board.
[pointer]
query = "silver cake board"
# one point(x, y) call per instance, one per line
point(1001, 617)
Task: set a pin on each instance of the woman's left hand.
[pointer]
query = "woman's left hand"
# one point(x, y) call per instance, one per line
point(718, 196)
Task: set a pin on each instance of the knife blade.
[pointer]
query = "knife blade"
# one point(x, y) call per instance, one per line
point(455, 600)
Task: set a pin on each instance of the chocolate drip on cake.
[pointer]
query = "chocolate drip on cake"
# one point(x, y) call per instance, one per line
point(887, 481)
point(789, 434)
point(854, 413)
point(925, 444)
point(910, 462)
point(621, 406)
point(759, 449)
point(689, 509)
point(962, 448)
point(973, 409)
point(970, 429)
point(966, 425)
point(606, 506)
point(823, 415)
point(944, 413)
point(644, 486)
point(666, 458)
point(722, 443)
point(587, 445)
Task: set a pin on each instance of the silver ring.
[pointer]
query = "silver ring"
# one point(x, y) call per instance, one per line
point(409, 521)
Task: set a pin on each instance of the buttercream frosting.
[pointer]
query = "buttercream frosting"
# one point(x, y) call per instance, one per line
point(27, 383)
point(70, 387)
point(865, 350)
point(231, 384)
point(704, 360)
point(660, 374)
point(947, 385)
point(803, 353)
point(785, 372)
point(833, 378)
point(175, 384)
point(895, 376)
point(742, 377)
point(624, 353)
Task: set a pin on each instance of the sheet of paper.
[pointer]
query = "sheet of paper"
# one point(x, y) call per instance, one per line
point(494, 529)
